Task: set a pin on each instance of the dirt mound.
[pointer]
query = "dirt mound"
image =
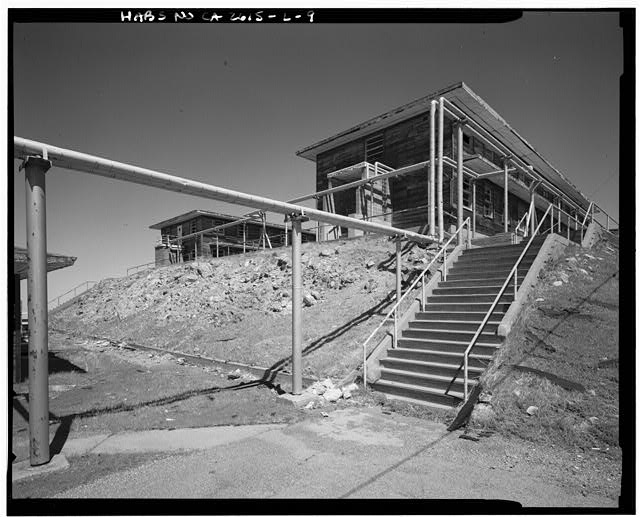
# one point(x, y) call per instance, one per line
point(238, 308)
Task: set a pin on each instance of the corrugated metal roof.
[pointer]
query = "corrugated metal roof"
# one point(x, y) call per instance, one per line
point(474, 107)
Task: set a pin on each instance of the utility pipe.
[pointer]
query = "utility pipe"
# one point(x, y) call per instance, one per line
point(506, 195)
point(460, 181)
point(103, 167)
point(296, 299)
point(398, 269)
point(17, 331)
point(473, 203)
point(432, 168)
point(440, 156)
point(35, 169)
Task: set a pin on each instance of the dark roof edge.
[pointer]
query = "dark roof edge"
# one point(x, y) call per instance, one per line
point(306, 152)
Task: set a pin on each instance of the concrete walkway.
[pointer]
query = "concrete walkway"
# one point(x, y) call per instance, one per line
point(352, 453)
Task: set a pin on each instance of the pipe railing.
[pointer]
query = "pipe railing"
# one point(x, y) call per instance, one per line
point(394, 309)
point(474, 339)
point(135, 269)
point(87, 284)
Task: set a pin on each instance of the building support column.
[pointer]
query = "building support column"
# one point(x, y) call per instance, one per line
point(506, 194)
point(432, 169)
point(460, 182)
point(440, 158)
point(473, 207)
point(36, 168)
point(296, 301)
point(17, 331)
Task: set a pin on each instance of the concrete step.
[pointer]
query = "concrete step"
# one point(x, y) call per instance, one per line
point(467, 326)
point(466, 307)
point(428, 367)
point(438, 382)
point(479, 273)
point(450, 335)
point(490, 266)
point(513, 248)
point(462, 317)
point(479, 282)
point(418, 393)
point(498, 239)
point(481, 347)
point(507, 297)
point(454, 358)
point(498, 258)
point(469, 290)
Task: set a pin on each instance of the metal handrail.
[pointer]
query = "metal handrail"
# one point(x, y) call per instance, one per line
point(74, 291)
point(139, 266)
point(514, 270)
point(394, 309)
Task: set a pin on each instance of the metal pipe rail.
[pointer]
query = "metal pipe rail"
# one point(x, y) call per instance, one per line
point(74, 291)
point(389, 173)
point(66, 158)
point(131, 269)
point(474, 339)
point(394, 309)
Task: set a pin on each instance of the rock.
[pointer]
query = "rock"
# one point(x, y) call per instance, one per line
point(317, 388)
point(539, 299)
point(485, 398)
point(332, 394)
point(315, 294)
point(308, 300)
point(324, 414)
point(564, 277)
point(589, 256)
point(557, 283)
point(190, 278)
point(370, 264)
point(346, 394)
point(532, 410)
point(180, 360)
point(309, 405)
point(325, 253)
point(234, 375)
point(282, 264)
point(571, 259)
point(352, 387)
point(302, 400)
point(584, 271)
point(593, 419)
point(328, 383)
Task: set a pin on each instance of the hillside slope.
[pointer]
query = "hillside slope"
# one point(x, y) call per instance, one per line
point(556, 379)
point(238, 308)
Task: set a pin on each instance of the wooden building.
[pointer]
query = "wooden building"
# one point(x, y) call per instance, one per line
point(404, 139)
point(195, 234)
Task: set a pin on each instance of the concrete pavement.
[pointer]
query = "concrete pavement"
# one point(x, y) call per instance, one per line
point(352, 453)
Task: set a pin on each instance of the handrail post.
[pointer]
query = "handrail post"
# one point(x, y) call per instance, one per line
point(466, 376)
point(607, 222)
point(515, 285)
point(444, 265)
point(424, 299)
point(395, 328)
point(364, 367)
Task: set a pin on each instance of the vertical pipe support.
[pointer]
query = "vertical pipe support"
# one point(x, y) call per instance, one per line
point(506, 194)
point(473, 207)
point(17, 331)
point(532, 222)
point(296, 299)
point(398, 269)
point(36, 168)
point(460, 173)
point(432, 169)
point(440, 159)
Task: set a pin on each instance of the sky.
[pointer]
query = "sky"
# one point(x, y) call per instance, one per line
point(231, 104)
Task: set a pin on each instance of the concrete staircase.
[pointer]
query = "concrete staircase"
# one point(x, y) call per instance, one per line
point(431, 348)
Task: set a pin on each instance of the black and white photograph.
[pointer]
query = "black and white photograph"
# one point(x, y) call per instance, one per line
point(297, 260)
